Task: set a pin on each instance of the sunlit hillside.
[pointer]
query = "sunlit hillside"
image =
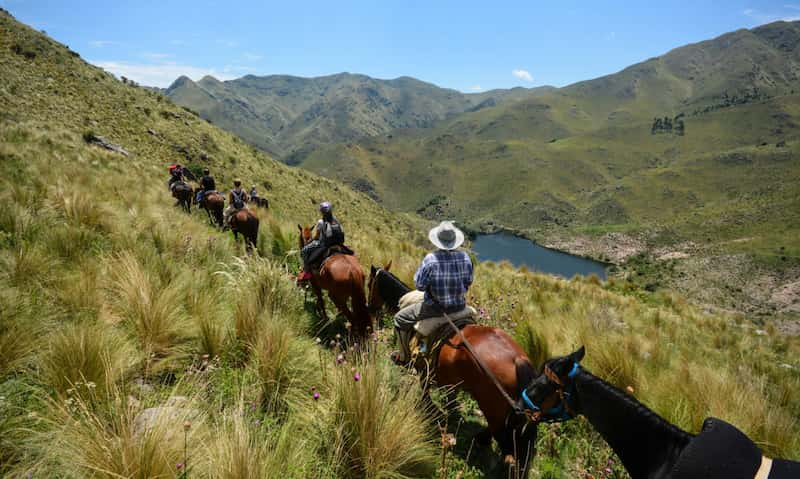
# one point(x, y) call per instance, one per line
point(137, 341)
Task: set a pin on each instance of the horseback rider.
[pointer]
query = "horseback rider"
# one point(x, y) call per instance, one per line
point(445, 275)
point(207, 184)
point(175, 176)
point(254, 194)
point(237, 200)
point(328, 232)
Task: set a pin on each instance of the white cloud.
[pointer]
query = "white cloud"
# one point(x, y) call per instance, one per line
point(162, 74)
point(522, 75)
point(102, 43)
point(760, 17)
point(476, 88)
point(252, 57)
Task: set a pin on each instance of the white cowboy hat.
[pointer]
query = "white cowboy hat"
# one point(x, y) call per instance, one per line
point(446, 236)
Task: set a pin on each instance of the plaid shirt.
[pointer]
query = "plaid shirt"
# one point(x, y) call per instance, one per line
point(446, 274)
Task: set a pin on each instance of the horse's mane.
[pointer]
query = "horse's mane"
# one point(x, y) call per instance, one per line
point(390, 284)
point(638, 409)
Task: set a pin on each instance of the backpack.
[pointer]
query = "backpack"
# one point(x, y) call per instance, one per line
point(332, 233)
point(238, 199)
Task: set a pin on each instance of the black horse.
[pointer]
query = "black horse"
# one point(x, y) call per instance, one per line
point(183, 193)
point(648, 446)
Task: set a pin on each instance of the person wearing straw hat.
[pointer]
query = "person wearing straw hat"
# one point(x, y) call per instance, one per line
point(445, 275)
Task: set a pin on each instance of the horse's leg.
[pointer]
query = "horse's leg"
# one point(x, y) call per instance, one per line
point(517, 444)
point(320, 300)
point(341, 304)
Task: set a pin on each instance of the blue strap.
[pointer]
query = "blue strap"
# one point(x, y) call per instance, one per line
point(574, 370)
point(528, 401)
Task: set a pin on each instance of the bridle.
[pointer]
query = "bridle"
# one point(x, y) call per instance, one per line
point(556, 407)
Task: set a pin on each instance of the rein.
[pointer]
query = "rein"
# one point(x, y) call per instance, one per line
point(477, 358)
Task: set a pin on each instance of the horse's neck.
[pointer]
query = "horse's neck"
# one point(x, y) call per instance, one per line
point(647, 444)
point(392, 289)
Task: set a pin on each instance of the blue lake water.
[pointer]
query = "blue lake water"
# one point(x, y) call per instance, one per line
point(522, 252)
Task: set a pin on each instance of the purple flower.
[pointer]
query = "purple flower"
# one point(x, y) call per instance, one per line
point(356, 377)
point(315, 396)
point(179, 466)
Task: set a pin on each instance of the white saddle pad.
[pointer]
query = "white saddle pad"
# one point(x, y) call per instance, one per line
point(412, 297)
point(428, 326)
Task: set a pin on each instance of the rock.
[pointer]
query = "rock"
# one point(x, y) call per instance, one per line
point(175, 411)
point(152, 132)
point(91, 138)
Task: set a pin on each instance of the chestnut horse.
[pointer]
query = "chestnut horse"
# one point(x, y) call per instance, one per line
point(214, 203)
point(456, 366)
point(341, 275)
point(245, 222)
point(648, 446)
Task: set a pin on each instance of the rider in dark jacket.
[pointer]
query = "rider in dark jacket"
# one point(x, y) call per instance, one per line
point(207, 183)
point(325, 236)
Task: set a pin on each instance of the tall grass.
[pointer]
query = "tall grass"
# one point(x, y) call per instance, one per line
point(374, 428)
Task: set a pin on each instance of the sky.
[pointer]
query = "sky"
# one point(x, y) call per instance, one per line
point(469, 46)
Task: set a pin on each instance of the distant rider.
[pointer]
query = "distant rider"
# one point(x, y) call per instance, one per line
point(328, 232)
point(175, 176)
point(207, 184)
point(254, 195)
point(237, 199)
point(445, 275)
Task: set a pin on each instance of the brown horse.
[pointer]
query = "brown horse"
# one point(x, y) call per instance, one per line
point(456, 366)
point(245, 222)
point(213, 203)
point(183, 193)
point(342, 276)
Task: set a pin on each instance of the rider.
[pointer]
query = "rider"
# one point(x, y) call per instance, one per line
point(328, 232)
point(207, 183)
point(175, 176)
point(237, 200)
point(253, 194)
point(445, 275)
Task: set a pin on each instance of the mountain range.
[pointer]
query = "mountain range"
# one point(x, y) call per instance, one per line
point(291, 116)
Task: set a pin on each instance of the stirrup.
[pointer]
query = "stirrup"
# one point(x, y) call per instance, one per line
point(395, 358)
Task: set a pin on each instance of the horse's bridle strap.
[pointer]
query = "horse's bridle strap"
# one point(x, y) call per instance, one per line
point(765, 469)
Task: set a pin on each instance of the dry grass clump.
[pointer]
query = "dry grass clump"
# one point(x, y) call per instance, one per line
point(246, 447)
point(86, 359)
point(373, 428)
point(21, 326)
point(151, 310)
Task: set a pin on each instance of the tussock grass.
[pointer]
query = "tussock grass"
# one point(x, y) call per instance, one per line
point(86, 358)
point(152, 311)
point(375, 428)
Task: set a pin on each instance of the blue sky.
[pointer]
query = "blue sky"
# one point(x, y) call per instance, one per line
point(469, 46)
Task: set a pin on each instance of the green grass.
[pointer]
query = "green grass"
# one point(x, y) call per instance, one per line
point(147, 304)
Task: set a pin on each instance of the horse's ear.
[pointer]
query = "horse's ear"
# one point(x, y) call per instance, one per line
point(299, 227)
point(313, 201)
point(578, 355)
point(388, 265)
point(372, 271)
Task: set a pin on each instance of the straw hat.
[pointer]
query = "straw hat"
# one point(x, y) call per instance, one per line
point(446, 236)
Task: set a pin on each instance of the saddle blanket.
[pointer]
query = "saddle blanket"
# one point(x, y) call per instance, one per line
point(428, 326)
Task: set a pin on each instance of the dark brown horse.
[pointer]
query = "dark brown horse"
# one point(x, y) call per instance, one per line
point(342, 276)
point(648, 446)
point(245, 222)
point(456, 366)
point(183, 193)
point(214, 203)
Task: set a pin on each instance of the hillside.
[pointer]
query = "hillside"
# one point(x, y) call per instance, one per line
point(291, 116)
point(137, 341)
point(691, 153)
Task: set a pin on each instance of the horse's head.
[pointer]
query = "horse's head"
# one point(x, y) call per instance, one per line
point(306, 234)
point(551, 396)
point(374, 298)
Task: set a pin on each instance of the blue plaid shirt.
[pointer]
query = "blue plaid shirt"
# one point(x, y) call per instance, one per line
point(448, 274)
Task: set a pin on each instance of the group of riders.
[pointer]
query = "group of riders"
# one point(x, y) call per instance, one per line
point(444, 275)
point(237, 196)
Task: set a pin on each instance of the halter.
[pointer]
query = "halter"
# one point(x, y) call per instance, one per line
point(563, 411)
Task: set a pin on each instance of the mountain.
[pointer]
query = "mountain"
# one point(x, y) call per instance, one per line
point(291, 116)
point(134, 336)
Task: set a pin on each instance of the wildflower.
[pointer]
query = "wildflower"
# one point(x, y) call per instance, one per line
point(205, 356)
point(338, 336)
point(356, 377)
point(91, 385)
point(179, 466)
point(187, 425)
point(315, 396)
point(340, 359)
point(348, 325)
point(318, 340)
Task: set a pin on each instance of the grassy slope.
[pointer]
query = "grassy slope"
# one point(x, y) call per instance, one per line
point(104, 284)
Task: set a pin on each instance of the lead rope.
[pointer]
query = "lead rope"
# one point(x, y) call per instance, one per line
point(475, 356)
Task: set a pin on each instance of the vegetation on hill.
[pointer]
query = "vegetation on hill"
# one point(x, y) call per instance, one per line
point(291, 116)
point(136, 341)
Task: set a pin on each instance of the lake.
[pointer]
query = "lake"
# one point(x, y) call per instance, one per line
point(522, 252)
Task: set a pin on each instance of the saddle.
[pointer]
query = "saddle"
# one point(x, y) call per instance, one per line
point(332, 251)
point(431, 333)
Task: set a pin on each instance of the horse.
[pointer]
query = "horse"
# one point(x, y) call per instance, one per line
point(259, 201)
point(648, 446)
point(213, 203)
point(456, 366)
point(245, 222)
point(342, 276)
point(183, 193)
